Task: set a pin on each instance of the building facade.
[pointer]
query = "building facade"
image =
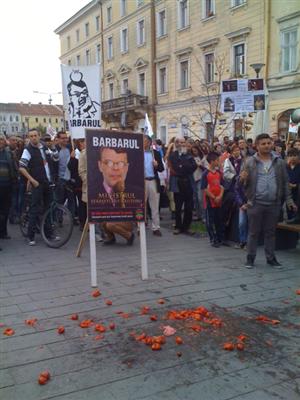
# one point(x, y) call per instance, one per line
point(10, 120)
point(283, 64)
point(168, 58)
point(18, 118)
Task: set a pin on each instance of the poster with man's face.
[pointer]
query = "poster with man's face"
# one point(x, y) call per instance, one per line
point(115, 176)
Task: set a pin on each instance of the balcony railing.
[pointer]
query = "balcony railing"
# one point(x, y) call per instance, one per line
point(130, 102)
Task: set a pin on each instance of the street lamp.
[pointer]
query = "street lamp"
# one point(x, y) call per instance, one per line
point(257, 68)
point(49, 94)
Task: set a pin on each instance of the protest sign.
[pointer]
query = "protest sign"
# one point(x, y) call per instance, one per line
point(82, 98)
point(242, 95)
point(115, 172)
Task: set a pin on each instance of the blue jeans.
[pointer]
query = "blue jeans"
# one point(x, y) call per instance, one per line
point(243, 226)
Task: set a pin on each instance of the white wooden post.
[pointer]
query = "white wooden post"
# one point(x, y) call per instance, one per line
point(93, 260)
point(143, 246)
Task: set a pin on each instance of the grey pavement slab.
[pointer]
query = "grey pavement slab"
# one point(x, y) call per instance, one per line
point(50, 285)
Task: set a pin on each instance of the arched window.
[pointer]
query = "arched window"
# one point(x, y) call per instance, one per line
point(162, 133)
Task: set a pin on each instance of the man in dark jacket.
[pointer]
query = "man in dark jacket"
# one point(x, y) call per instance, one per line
point(34, 165)
point(182, 165)
point(8, 178)
point(266, 186)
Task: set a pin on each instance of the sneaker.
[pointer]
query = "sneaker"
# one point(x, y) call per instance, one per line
point(215, 244)
point(32, 242)
point(274, 263)
point(110, 241)
point(190, 232)
point(130, 240)
point(176, 231)
point(157, 232)
point(98, 237)
point(250, 262)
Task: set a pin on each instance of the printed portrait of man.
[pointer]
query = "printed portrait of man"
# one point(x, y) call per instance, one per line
point(80, 105)
point(117, 185)
point(113, 164)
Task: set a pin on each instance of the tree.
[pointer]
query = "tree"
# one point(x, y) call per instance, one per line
point(206, 108)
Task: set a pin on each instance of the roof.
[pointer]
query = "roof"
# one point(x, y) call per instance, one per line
point(32, 109)
point(84, 10)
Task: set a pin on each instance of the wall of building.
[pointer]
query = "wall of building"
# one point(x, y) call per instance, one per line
point(284, 86)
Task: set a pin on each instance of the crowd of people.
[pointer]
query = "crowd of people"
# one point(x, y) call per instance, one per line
point(236, 188)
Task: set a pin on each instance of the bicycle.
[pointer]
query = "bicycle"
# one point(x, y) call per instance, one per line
point(55, 225)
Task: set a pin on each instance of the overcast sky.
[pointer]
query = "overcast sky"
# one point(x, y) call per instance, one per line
point(30, 48)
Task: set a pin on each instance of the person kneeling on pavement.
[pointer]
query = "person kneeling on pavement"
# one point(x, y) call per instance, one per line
point(124, 229)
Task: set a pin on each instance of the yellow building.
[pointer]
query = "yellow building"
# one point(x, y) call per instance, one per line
point(40, 116)
point(29, 116)
point(168, 57)
point(283, 64)
point(118, 35)
point(200, 43)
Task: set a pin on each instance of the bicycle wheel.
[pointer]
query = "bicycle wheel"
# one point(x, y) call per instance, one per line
point(56, 226)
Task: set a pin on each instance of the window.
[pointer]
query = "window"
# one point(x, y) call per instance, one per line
point(77, 35)
point(289, 50)
point(162, 79)
point(124, 40)
point(87, 57)
point(36, 120)
point(161, 23)
point(11, 118)
point(238, 127)
point(239, 59)
point(124, 86)
point(209, 131)
point(69, 62)
point(141, 32)
point(209, 68)
point(44, 120)
point(111, 90)
point(208, 8)
point(16, 128)
point(12, 128)
point(87, 29)
point(97, 21)
point(236, 3)
point(17, 118)
point(184, 126)
point(122, 7)
point(162, 131)
point(69, 42)
point(56, 120)
point(109, 48)
point(109, 14)
point(183, 14)
point(77, 60)
point(49, 120)
point(141, 84)
point(184, 74)
point(98, 53)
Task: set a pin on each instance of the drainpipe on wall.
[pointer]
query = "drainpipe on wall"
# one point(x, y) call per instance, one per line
point(153, 66)
point(102, 50)
point(267, 18)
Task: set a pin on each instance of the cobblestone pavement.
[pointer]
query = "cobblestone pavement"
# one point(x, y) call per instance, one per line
point(50, 285)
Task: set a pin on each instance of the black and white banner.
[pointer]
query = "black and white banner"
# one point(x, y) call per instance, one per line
point(82, 98)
